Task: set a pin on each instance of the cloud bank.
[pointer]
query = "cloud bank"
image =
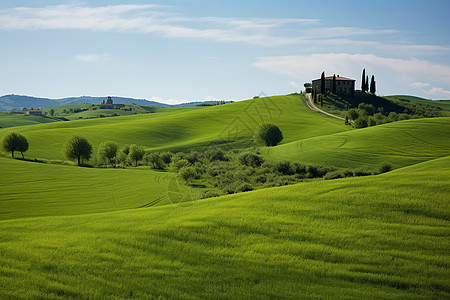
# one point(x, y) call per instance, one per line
point(422, 75)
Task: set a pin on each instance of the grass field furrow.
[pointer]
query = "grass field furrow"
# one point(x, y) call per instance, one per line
point(341, 239)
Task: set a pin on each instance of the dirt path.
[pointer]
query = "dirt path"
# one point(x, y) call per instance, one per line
point(311, 105)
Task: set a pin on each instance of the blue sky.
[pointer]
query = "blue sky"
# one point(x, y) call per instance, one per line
point(177, 51)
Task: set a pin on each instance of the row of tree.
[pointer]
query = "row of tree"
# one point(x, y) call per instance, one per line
point(365, 83)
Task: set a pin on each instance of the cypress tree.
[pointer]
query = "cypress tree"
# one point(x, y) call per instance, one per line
point(322, 83)
point(367, 84)
point(333, 90)
point(372, 85)
point(363, 81)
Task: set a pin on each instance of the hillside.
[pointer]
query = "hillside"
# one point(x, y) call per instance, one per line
point(342, 239)
point(48, 190)
point(400, 143)
point(225, 125)
point(8, 120)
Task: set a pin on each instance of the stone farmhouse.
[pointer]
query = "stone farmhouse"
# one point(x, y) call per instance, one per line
point(343, 85)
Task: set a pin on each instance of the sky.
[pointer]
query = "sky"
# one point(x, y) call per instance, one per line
point(177, 51)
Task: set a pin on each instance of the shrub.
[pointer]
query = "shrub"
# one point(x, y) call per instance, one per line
point(155, 161)
point(284, 167)
point(245, 187)
point(187, 172)
point(353, 114)
point(384, 167)
point(361, 122)
point(215, 154)
point(334, 175)
point(166, 157)
point(362, 172)
point(176, 165)
point(251, 160)
point(268, 134)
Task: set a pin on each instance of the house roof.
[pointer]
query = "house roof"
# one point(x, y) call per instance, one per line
point(337, 78)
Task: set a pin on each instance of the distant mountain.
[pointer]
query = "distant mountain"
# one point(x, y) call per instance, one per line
point(17, 102)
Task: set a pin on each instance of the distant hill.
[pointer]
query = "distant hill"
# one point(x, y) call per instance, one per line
point(17, 102)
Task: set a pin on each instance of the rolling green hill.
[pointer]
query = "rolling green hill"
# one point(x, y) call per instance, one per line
point(30, 189)
point(400, 143)
point(8, 120)
point(183, 129)
point(384, 236)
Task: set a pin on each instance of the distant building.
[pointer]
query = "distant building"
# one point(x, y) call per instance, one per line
point(343, 85)
point(108, 104)
point(34, 113)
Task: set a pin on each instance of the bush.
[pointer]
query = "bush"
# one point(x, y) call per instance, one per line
point(334, 175)
point(187, 172)
point(107, 152)
point(361, 122)
point(284, 167)
point(362, 172)
point(215, 154)
point(384, 167)
point(176, 165)
point(155, 161)
point(166, 157)
point(353, 114)
point(268, 134)
point(136, 153)
point(251, 160)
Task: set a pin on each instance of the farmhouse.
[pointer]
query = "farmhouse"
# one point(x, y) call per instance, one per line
point(108, 105)
point(34, 113)
point(343, 85)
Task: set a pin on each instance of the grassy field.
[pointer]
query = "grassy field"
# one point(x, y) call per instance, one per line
point(30, 189)
point(384, 236)
point(187, 128)
point(8, 120)
point(400, 143)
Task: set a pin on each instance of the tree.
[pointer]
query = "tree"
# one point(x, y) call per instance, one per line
point(268, 134)
point(122, 158)
point(155, 161)
point(322, 83)
point(52, 111)
point(187, 172)
point(107, 152)
point(367, 84)
point(353, 114)
point(14, 141)
point(77, 147)
point(372, 85)
point(136, 153)
point(333, 89)
point(363, 81)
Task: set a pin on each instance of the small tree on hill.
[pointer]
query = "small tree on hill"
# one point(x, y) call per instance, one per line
point(107, 152)
point(372, 85)
point(136, 153)
point(77, 147)
point(367, 84)
point(14, 141)
point(322, 83)
point(363, 81)
point(268, 134)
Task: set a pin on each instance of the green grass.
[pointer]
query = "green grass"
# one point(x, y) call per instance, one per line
point(375, 237)
point(182, 129)
point(400, 143)
point(8, 120)
point(30, 189)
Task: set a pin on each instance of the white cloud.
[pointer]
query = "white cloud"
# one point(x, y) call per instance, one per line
point(431, 90)
point(392, 75)
point(90, 57)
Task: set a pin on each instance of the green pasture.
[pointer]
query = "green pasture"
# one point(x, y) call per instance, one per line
point(9, 120)
point(377, 237)
point(29, 189)
point(400, 144)
point(230, 124)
